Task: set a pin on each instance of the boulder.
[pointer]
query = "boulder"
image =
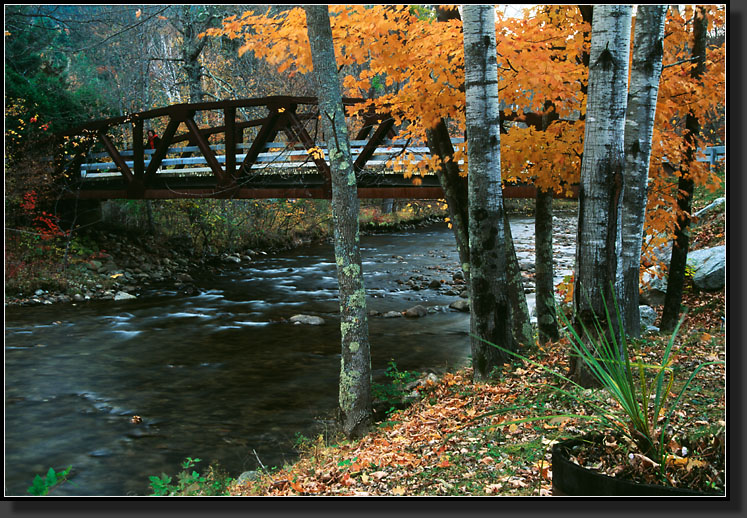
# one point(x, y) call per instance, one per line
point(392, 314)
point(434, 284)
point(184, 277)
point(123, 295)
point(709, 267)
point(416, 312)
point(307, 319)
point(648, 316)
point(460, 305)
point(247, 476)
point(654, 288)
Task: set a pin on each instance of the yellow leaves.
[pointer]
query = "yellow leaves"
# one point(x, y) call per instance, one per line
point(316, 153)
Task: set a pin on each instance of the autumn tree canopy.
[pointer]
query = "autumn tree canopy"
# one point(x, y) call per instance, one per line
point(402, 61)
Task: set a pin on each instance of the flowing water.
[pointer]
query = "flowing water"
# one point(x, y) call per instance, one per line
point(219, 375)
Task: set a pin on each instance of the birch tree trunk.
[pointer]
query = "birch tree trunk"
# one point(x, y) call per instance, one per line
point(602, 172)
point(685, 188)
point(490, 317)
point(456, 194)
point(648, 50)
point(355, 368)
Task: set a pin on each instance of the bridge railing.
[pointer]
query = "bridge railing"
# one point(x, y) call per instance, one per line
point(231, 161)
point(277, 155)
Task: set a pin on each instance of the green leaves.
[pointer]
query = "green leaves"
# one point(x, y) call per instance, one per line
point(642, 389)
point(214, 483)
point(42, 486)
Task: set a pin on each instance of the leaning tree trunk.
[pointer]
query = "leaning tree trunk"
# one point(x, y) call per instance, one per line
point(601, 173)
point(455, 190)
point(685, 188)
point(490, 317)
point(648, 50)
point(355, 369)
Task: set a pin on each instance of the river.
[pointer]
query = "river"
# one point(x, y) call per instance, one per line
point(222, 374)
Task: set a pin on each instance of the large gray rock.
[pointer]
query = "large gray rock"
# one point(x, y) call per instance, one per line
point(709, 267)
point(416, 311)
point(460, 305)
point(307, 319)
point(654, 289)
point(648, 316)
point(123, 295)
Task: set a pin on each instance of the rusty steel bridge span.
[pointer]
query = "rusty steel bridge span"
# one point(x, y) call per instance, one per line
point(276, 155)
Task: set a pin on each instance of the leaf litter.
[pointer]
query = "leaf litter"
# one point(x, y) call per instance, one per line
point(467, 438)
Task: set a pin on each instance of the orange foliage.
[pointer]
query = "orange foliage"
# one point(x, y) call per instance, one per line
point(412, 66)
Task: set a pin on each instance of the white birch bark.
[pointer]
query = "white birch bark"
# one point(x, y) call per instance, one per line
point(639, 129)
point(600, 199)
point(603, 161)
point(490, 317)
point(355, 367)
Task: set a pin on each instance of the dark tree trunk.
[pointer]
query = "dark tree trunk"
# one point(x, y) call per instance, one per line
point(455, 190)
point(678, 262)
point(547, 322)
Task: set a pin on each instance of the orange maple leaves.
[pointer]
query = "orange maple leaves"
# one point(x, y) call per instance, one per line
point(412, 66)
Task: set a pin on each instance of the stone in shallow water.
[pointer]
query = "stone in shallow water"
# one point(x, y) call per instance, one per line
point(307, 319)
point(460, 305)
point(416, 311)
point(123, 295)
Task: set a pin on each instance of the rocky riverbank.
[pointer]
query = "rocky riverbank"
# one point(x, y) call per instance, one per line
point(125, 265)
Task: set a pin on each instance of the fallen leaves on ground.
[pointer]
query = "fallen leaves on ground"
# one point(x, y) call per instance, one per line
point(467, 438)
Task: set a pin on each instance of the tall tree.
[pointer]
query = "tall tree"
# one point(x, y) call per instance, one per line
point(686, 185)
point(490, 318)
point(355, 370)
point(455, 191)
point(602, 172)
point(648, 51)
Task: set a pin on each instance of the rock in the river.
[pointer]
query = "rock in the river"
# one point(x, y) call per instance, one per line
point(416, 312)
point(123, 295)
point(460, 305)
point(392, 314)
point(434, 284)
point(184, 277)
point(709, 267)
point(307, 319)
point(648, 316)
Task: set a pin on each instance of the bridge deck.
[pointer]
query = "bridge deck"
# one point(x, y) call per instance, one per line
point(231, 167)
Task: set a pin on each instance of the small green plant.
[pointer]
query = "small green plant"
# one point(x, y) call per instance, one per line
point(628, 379)
point(393, 393)
point(214, 483)
point(43, 486)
